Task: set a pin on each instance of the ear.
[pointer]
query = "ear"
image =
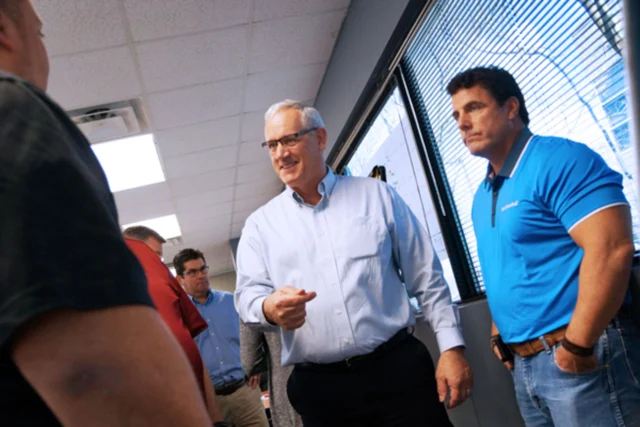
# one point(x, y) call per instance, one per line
point(180, 279)
point(9, 34)
point(513, 107)
point(322, 138)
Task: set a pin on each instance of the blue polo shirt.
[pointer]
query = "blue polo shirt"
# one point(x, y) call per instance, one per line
point(522, 218)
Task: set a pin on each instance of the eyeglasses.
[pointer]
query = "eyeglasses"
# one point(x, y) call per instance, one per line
point(287, 140)
point(194, 271)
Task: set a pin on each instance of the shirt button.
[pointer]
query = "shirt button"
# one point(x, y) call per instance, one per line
point(338, 312)
point(347, 341)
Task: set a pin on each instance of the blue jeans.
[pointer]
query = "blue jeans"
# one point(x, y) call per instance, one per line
point(606, 397)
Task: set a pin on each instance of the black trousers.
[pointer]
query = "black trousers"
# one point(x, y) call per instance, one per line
point(396, 389)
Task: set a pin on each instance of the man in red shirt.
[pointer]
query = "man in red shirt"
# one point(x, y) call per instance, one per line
point(174, 306)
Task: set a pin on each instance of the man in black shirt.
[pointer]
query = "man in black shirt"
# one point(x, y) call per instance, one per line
point(80, 342)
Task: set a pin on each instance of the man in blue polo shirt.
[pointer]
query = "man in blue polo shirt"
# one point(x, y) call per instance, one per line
point(219, 345)
point(555, 246)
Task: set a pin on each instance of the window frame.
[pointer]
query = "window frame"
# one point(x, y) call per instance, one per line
point(438, 186)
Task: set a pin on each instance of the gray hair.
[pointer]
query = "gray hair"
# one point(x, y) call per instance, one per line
point(142, 233)
point(311, 117)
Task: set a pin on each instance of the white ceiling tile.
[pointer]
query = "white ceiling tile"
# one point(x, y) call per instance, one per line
point(253, 152)
point(294, 41)
point(269, 9)
point(152, 19)
point(203, 182)
point(87, 79)
point(204, 239)
point(198, 137)
point(197, 201)
point(251, 203)
point(143, 195)
point(219, 264)
point(264, 186)
point(255, 172)
point(74, 26)
point(196, 104)
point(219, 250)
point(216, 211)
point(297, 83)
point(205, 225)
point(203, 161)
point(209, 57)
point(253, 126)
point(242, 216)
point(129, 214)
point(209, 236)
point(209, 243)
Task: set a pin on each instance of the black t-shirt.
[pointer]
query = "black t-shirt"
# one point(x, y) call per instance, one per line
point(60, 242)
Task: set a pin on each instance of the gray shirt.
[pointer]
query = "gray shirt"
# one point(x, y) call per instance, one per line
point(260, 351)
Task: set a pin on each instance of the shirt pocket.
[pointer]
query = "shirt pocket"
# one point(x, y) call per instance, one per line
point(360, 238)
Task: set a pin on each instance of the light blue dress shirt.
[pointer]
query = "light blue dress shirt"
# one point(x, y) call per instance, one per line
point(348, 249)
point(219, 344)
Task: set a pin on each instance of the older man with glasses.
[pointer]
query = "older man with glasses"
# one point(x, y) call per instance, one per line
point(321, 261)
point(219, 345)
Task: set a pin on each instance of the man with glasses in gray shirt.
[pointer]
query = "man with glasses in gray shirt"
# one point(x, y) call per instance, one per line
point(321, 262)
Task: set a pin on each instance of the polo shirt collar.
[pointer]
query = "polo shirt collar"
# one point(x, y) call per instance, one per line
point(513, 158)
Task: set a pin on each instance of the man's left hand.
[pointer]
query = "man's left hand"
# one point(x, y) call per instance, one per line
point(454, 377)
point(573, 364)
point(254, 381)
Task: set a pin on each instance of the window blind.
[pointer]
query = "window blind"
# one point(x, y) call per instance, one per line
point(566, 57)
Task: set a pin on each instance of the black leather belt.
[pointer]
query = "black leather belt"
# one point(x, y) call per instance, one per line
point(229, 388)
point(357, 361)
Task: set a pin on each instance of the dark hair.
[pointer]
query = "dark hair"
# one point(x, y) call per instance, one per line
point(140, 232)
point(185, 256)
point(500, 84)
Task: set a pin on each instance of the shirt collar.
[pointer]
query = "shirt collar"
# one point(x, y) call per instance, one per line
point(209, 298)
point(325, 187)
point(513, 157)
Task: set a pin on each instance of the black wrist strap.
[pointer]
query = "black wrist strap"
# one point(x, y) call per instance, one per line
point(505, 352)
point(576, 349)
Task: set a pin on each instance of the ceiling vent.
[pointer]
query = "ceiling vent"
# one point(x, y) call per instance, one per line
point(111, 121)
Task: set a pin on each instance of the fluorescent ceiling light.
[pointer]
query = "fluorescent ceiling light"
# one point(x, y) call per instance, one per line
point(173, 271)
point(166, 226)
point(130, 162)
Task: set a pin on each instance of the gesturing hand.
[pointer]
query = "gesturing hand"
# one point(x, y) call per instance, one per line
point(287, 307)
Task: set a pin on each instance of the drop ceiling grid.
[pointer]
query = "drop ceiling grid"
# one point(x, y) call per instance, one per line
point(204, 78)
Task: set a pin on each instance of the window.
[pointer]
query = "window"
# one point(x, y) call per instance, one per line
point(389, 142)
point(566, 57)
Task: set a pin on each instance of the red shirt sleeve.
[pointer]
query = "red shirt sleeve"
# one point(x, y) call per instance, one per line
point(173, 304)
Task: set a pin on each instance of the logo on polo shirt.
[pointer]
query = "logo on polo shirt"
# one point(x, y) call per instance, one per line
point(510, 205)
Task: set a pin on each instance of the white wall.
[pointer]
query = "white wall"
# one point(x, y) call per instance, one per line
point(224, 281)
point(364, 35)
